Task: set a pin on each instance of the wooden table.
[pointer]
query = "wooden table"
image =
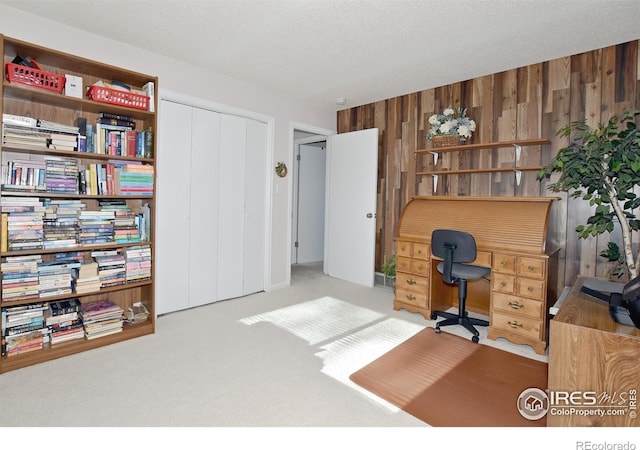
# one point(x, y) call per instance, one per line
point(592, 356)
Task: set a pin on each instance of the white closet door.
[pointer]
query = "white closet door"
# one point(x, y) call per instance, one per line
point(233, 139)
point(203, 229)
point(172, 239)
point(255, 207)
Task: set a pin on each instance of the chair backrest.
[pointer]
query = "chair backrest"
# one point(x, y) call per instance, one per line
point(453, 247)
point(462, 244)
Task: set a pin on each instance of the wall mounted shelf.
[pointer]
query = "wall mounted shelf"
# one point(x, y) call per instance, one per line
point(515, 144)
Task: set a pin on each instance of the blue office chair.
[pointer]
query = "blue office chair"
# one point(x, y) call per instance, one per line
point(456, 248)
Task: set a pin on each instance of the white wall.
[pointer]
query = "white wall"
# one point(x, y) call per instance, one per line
point(193, 81)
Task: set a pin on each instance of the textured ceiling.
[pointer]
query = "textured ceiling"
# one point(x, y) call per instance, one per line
point(363, 50)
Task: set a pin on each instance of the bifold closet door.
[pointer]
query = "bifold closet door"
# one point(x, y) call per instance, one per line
point(204, 207)
point(255, 204)
point(171, 256)
point(233, 141)
point(187, 244)
point(242, 218)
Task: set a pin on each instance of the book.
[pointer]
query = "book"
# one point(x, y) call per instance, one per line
point(149, 89)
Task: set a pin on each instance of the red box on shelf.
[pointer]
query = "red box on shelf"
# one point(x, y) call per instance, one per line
point(17, 73)
point(116, 97)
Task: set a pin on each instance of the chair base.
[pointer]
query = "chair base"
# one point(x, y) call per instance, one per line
point(458, 319)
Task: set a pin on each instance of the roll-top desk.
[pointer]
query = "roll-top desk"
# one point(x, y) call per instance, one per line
point(510, 234)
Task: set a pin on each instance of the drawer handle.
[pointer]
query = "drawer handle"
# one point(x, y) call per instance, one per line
point(516, 305)
point(411, 282)
point(419, 252)
point(410, 297)
point(530, 289)
point(503, 263)
point(503, 284)
point(530, 267)
point(514, 324)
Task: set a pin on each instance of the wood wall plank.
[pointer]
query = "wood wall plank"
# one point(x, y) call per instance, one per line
point(524, 103)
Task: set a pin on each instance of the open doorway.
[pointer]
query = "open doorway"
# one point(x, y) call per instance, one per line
point(309, 186)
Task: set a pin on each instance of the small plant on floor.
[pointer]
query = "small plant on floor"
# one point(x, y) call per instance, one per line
point(389, 268)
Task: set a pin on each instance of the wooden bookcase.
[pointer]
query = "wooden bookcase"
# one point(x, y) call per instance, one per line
point(35, 102)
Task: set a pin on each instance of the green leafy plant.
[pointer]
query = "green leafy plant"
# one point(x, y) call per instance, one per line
point(602, 166)
point(389, 266)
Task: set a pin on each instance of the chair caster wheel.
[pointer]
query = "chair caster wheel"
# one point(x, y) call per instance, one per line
point(437, 330)
point(434, 316)
point(475, 339)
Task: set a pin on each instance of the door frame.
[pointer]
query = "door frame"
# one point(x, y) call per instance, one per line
point(295, 229)
point(165, 94)
point(318, 133)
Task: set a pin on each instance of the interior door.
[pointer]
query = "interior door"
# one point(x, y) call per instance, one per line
point(311, 178)
point(352, 173)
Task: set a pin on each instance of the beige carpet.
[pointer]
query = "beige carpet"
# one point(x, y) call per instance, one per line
point(448, 381)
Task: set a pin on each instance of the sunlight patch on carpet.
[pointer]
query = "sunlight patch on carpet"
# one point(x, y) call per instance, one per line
point(318, 320)
point(348, 336)
point(348, 354)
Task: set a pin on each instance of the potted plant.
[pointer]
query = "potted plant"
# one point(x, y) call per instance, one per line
point(602, 166)
point(389, 271)
point(451, 127)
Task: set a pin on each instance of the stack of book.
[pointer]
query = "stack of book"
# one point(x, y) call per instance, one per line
point(125, 224)
point(133, 179)
point(20, 277)
point(138, 263)
point(112, 269)
point(101, 318)
point(23, 329)
point(25, 230)
point(88, 279)
point(64, 321)
point(61, 223)
point(23, 130)
point(55, 277)
point(63, 141)
point(61, 175)
point(96, 227)
point(24, 135)
point(18, 206)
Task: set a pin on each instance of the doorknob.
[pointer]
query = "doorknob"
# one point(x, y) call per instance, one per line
point(370, 215)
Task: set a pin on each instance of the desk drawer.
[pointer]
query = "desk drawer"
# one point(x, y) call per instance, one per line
point(411, 282)
point(404, 248)
point(421, 251)
point(420, 266)
point(411, 297)
point(531, 288)
point(503, 283)
point(504, 263)
point(482, 259)
point(519, 325)
point(531, 267)
point(413, 250)
point(512, 304)
point(403, 264)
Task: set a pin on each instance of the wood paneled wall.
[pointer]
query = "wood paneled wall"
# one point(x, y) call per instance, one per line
point(524, 103)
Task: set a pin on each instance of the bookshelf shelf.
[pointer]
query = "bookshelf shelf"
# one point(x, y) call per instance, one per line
point(123, 197)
